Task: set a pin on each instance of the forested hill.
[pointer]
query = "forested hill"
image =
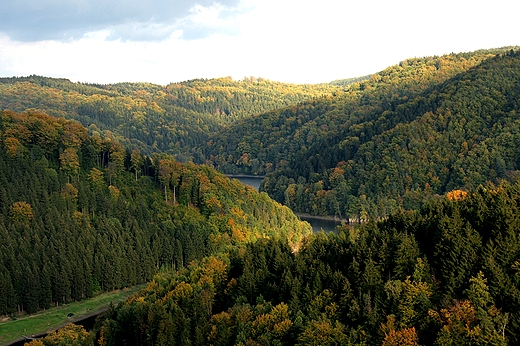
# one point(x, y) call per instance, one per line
point(242, 99)
point(413, 131)
point(352, 148)
point(448, 274)
point(80, 214)
point(155, 118)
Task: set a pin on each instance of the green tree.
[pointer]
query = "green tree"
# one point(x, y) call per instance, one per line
point(71, 334)
point(137, 161)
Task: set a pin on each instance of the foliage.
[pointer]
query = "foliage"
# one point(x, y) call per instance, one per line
point(80, 213)
point(70, 335)
point(355, 149)
point(169, 119)
point(401, 281)
point(410, 133)
point(74, 220)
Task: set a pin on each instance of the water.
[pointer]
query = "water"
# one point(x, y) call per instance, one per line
point(318, 224)
point(250, 180)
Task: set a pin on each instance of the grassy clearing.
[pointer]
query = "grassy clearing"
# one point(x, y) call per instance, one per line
point(48, 320)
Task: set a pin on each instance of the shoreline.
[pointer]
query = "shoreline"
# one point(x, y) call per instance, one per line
point(236, 176)
point(321, 217)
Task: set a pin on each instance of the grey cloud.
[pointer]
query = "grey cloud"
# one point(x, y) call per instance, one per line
point(34, 20)
point(138, 31)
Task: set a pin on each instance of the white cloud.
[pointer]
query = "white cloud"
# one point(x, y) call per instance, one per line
point(287, 40)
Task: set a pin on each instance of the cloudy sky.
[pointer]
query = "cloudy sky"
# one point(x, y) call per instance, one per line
point(296, 41)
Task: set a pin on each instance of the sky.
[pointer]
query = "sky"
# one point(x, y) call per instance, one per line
point(293, 41)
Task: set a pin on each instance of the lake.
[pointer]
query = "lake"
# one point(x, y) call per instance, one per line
point(317, 223)
point(250, 180)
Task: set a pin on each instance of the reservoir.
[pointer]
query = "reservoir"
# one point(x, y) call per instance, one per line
point(250, 180)
point(317, 223)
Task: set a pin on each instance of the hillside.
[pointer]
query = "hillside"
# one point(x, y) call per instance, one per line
point(357, 149)
point(413, 131)
point(170, 119)
point(80, 214)
point(445, 275)
point(421, 151)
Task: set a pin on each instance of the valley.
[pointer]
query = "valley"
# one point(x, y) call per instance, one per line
point(198, 191)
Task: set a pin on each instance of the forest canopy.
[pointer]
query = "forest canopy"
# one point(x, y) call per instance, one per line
point(356, 149)
point(410, 133)
point(154, 118)
point(107, 186)
point(80, 214)
point(444, 275)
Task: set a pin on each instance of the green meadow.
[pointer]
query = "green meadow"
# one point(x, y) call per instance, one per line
point(12, 329)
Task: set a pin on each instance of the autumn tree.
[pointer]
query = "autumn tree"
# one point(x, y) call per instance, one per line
point(21, 212)
point(71, 334)
point(475, 321)
point(69, 162)
point(168, 174)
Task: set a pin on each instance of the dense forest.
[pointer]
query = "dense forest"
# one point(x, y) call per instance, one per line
point(168, 119)
point(447, 274)
point(413, 131)
point(107, 186)
point(80, 214)
point(358, 148)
